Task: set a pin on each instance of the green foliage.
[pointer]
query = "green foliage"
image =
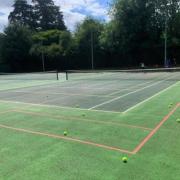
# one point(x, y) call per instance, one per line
point(16, 45)
point(84, 30)
point(108, 38)
point(86, 34)
point(1, 46)
point(139, 28)
point(22, 14)
point(135, 34)
point(42, 15)
point(52, 43)
point(48, 16)
point(133, 20)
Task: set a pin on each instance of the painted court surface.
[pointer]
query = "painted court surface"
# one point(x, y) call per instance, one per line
point(106, 117)
point(106, 92)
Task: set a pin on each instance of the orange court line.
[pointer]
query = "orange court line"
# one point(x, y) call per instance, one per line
point(67, 138)
point(136, 150)
point(79, 119)
point(148, 137)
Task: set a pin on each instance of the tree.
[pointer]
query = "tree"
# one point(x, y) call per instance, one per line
point(110, 45)
point(16, 46)
point(1, 45)
point(53, 46)
point(133, 20)
point(87, 37)
point(22, 14)
point(48, 16)
point(167, 19)
point(43, 15)
point(140, 26)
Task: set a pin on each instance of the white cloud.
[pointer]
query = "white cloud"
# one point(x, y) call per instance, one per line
point(4, 17)
point(71, 10)
point(72, 18)
point(4, 4)
point(92, 7)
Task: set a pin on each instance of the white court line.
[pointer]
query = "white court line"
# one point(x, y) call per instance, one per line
point(117, 98)
point(30, 86)
point(148, 99)
point(90, 76)
point(131, 87)
point(55, 85)
point(92, 86)
point(59, 107)
point(67, 94)
point(96, 85)
point(74, 94)
point(82, 87)
point(81, 109)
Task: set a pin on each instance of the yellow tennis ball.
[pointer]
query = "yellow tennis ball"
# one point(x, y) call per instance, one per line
point(65, 133)
point(125, 159)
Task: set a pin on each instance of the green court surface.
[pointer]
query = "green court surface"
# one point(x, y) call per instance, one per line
point(105, 120)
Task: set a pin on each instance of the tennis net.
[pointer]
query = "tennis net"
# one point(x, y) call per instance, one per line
point(169, 74)
point(47, 75)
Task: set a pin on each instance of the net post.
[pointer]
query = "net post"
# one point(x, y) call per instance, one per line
point(57, 75)
point(66, 76)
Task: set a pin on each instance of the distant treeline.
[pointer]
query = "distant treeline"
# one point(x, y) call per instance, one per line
point(136, 33)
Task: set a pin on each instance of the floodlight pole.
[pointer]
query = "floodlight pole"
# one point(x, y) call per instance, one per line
point(92, 50)
point(165, 35)
point(42, 56)
point(165, 41)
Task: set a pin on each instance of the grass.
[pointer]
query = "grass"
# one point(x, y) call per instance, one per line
point(29, 156)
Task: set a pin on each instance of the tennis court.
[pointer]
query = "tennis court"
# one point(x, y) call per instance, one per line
point(107, 115)
point(104, 91)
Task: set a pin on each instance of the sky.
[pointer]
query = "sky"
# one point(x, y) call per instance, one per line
point(74, 11)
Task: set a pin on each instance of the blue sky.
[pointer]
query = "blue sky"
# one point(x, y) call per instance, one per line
point(74, 11)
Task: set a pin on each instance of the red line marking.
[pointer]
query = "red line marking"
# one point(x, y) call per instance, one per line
point(147, 138)
point(67, 138)
point(137, 149)
point(86, 120)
